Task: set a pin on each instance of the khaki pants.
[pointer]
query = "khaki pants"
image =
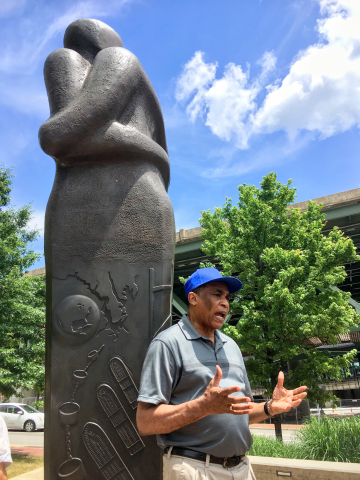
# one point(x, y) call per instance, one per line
point(183, 468)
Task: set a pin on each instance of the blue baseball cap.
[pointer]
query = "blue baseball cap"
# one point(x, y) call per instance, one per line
point(202, 276)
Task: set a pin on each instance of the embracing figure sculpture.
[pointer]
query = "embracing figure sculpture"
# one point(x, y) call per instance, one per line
point(109, 247)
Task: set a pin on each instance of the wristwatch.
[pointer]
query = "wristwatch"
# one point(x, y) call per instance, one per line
point(266, 410)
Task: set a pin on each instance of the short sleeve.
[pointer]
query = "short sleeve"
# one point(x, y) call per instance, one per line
point(158, 374)
point(5, 453)
point(248, 392)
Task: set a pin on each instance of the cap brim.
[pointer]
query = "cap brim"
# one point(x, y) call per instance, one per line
point(233, 284)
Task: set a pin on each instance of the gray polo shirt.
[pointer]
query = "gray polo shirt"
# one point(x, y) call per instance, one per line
point(178, 367)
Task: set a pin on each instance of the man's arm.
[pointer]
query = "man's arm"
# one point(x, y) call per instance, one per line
point(160, 419)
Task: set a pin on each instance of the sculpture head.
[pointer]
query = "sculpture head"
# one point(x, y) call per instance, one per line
point(87, 37)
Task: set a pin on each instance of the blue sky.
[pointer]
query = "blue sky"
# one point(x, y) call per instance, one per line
point(246, 87)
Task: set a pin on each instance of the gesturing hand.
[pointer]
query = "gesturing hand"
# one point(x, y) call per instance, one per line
point(217, 400)
point(283, 400)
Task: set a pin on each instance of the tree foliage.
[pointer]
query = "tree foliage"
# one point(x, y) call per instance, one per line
point(288, 268)
point(22, 299)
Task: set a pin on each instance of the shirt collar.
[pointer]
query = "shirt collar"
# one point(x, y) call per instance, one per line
point(191, 333)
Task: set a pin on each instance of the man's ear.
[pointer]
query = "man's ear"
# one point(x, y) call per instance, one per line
point(192, 298)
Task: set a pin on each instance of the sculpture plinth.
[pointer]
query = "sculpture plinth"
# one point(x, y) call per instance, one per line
point(109, 246)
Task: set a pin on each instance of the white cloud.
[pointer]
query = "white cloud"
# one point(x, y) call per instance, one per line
point(37, 222)
point(25, 49)
point(186, 217)
point(25, 46)
point(320, 93)
point(25, 97)
point(273, 153)
point(11, 7)
point(226, 102)
point(322, 89)
point(196, 76)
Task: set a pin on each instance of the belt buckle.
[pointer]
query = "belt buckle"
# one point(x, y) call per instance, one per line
point(233, 461)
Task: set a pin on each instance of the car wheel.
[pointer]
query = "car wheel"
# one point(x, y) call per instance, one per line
point(29, 426)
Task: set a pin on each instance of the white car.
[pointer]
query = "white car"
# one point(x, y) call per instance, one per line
point(22, 416)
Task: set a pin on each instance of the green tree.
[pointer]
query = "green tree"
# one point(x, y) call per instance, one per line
point(22, 299)
point(288, 268)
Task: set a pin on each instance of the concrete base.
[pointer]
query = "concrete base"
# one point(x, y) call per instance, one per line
point(268, 468)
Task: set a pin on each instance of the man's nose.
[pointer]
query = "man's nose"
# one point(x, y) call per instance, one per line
point(225, 302)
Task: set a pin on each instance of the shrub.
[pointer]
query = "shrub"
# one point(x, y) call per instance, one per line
point(38, 404)
point(270, 447)
point(331, 439)
point(327, 439)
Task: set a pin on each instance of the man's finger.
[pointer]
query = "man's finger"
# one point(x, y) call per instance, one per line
point(241, 412)
point(240, 408)
point(299, 397)
point(300, 389)
point(229, 390)
point(236, 400)
point(280, 382)
point(218, 376)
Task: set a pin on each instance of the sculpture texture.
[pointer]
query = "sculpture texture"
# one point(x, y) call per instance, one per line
point(109, 245)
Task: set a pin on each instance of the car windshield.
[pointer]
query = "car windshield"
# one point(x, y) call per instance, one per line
point(29, 409)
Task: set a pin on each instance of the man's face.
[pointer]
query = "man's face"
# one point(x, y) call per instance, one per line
point(212, 305)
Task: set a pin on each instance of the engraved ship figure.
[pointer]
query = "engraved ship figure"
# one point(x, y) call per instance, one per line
point(119, 418)
point(104, 454)
point(124, 379)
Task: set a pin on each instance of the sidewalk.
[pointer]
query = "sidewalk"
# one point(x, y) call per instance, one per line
point(37, 474)
point(271, 426)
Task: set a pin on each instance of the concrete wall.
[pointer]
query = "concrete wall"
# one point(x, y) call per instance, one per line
point(267, 468)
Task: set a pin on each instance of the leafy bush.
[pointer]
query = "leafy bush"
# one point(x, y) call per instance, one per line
point(39, 404)
point(328, 439)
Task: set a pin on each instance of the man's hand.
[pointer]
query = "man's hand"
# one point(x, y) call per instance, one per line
point(283, 400)
point(217, 400)
point(161, 419)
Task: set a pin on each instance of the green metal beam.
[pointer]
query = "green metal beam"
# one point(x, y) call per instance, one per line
point(180, 306)
point(189, 246)
point(342, 211)
point(351, 301)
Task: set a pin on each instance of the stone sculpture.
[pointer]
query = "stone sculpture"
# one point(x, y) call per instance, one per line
point(109, 246)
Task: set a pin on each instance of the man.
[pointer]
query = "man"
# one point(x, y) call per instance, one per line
point(195, 394)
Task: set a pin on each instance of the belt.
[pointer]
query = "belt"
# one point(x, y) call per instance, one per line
point(226, 462)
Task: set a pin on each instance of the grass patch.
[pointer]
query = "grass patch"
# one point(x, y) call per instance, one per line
point(270, 447)
point(328, 439)
point(23, 464)
point(331, 439)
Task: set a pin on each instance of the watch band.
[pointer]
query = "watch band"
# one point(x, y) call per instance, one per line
point(266, 410)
